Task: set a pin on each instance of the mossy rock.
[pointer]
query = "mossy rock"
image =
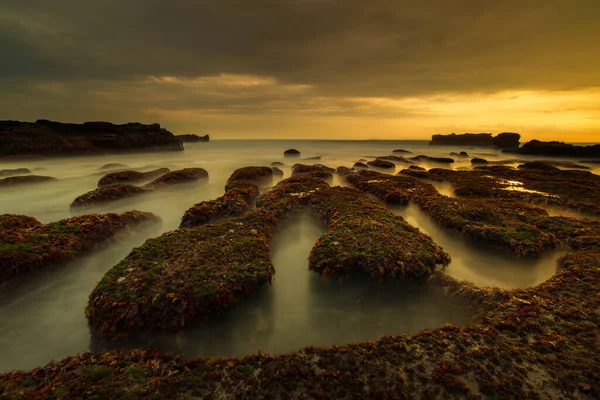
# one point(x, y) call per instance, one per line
point(366, 238)
point(186, 175)
point(260, 176)
point(25, 180)
point(314, 171)
point(130, 176)
point(390, 189)
point(30, 246)
point(106, 194)
point(237, 200)
point(15, 221)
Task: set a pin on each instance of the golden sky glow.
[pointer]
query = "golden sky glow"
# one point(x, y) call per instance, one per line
point(308, 69)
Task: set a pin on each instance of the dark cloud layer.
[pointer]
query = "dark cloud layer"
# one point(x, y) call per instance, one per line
point(351, 47)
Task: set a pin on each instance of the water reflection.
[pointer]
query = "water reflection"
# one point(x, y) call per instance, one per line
point(484, 268)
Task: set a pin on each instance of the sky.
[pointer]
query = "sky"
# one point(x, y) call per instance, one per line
point(324, 69)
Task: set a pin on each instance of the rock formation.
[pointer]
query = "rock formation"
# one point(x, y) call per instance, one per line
point(54, 138)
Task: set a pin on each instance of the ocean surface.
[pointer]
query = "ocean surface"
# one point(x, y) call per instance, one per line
point(42, 314)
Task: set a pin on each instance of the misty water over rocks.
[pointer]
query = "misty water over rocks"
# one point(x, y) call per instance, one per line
point(42, 314)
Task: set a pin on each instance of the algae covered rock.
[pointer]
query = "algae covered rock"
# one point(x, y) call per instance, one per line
point(27, 245)
point(391, 189)
point(260, 176)
point(314, 171)
point(366, 238)
point(14, 221)
point(106, 194)
point(25, 180)
point(130, 176)
point(180, 277)
point(237, 200)
point(186, 175)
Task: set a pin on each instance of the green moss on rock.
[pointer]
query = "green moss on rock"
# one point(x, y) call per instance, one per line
point(30, 246)
point(130, 176)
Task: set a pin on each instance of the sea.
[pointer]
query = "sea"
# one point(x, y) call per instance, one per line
point(42, 314)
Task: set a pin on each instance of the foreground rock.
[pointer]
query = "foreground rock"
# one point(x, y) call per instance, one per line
point(391, 189)
point(130, 176)
point(186, 175)
point(190, 275)
point(505, 140)
point(557, 149)
point(54, 138)
point(365, 238)
point(27, 245)
point(193, 138)
point(25, 180)
point(15, 221)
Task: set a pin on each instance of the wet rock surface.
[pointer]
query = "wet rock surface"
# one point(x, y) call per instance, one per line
point(186, 175)
point(106, 194)
point(131, 176)
point(27, 245)
point(383, 164)
point(13, 172)
point(313, 171)
point(540, 342)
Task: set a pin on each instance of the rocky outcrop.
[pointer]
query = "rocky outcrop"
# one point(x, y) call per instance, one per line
point(260, 176)
point(505, 140)
point(54, 138)
point(478, 160)
point(193, 138)
point(106, 194)
point(557, 149)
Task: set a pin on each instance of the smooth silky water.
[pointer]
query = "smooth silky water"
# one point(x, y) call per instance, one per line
point(42, 314)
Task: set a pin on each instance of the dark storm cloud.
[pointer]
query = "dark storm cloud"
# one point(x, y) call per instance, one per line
point(349, 48)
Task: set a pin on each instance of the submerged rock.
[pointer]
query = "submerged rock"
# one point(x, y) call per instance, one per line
point(13, 172)
point(441, 160)
point(186, 175)
point(25, 180)
point(277, 164)
point(112, 166)
point(107, 194)
point(28, 245)
point(378, 163)
point(130, 176)
point(395, 159)
point(402, 151)
point(359, 165)
point(478, 160)
point(277, 171)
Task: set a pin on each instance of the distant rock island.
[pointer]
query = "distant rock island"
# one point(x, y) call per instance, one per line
point(558, 149)
point(504, 140)
point(192, 138)
point(51, 138)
